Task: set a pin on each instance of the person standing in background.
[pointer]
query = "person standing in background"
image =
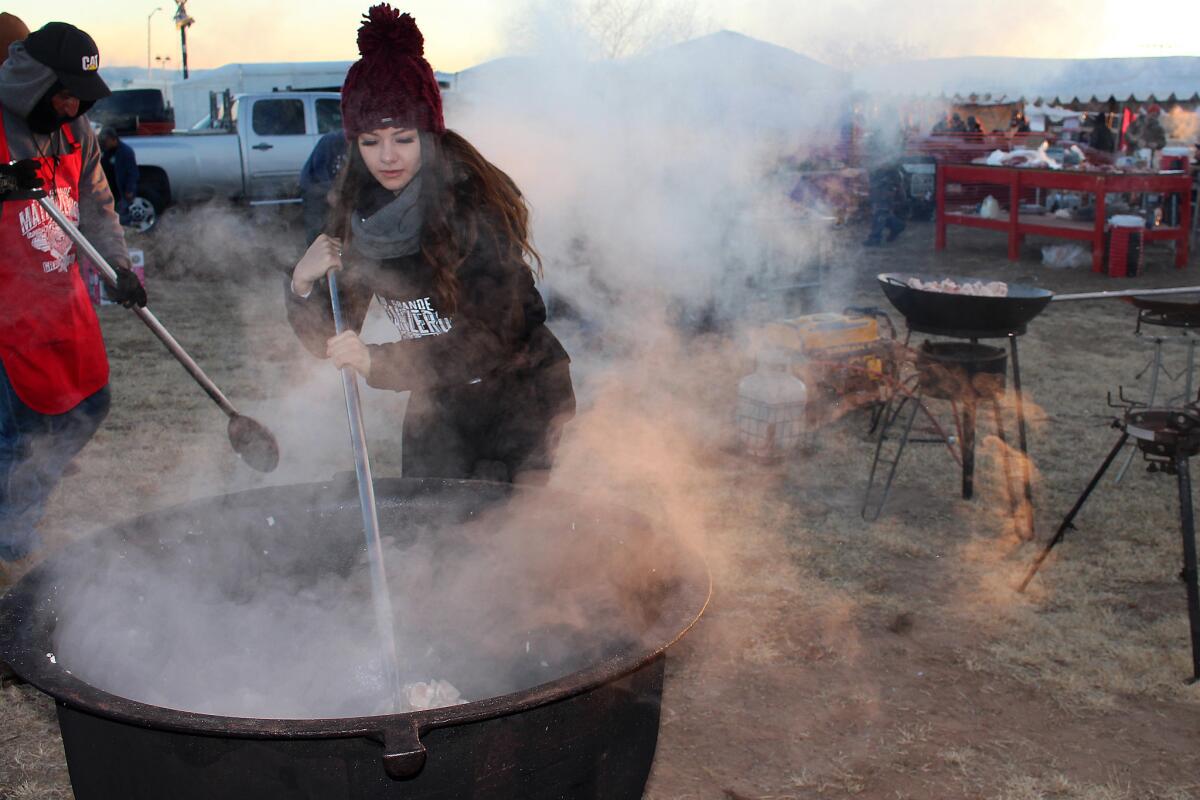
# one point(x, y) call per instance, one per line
point(887, 194)
point(121, 170)
point(12, 29)
point(53, 367)
point(1147, 132)
point(1101, 136)
point(316, 181)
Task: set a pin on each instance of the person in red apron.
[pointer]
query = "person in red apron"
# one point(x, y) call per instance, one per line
point(53, 367)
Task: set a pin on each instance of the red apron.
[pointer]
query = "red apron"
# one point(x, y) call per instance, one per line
point(50, 342)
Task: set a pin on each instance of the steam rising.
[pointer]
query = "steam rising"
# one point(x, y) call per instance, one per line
point(660, 209)
point(245, 615)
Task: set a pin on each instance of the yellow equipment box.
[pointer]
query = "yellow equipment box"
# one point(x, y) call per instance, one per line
point(821, 332)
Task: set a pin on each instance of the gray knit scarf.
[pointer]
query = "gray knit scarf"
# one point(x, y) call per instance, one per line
point(394, 230)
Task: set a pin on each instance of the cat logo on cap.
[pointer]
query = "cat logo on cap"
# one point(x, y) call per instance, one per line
point(91, 63)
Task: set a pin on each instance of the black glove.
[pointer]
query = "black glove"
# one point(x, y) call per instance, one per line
point(19, 176)
point(129, 291)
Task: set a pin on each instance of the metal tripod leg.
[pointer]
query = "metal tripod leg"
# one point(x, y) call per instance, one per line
point(1155, 366)
point(967, 448)
point(1190, 372)
point(1066, 523)
point(1188, 529)
point(1005, 460)
point(1022, 440)
point(874, 500)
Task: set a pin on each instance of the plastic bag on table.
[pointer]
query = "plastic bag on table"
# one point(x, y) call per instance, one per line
point(1065, 256)
point(990, 208)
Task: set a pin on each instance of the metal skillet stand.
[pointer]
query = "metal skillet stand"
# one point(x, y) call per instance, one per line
point(1168, 439)
point(1163, 316)
point(973, 318)
point(967, 375)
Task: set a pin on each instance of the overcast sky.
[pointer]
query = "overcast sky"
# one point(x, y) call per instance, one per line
point(460, 33)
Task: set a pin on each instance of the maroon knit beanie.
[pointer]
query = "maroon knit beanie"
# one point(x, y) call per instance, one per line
point(392, 85)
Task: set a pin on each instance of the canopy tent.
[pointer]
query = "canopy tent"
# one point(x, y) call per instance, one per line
point(1040, 116)
point(1051, 80)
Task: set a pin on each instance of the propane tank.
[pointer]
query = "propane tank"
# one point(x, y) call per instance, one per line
point(770, 407)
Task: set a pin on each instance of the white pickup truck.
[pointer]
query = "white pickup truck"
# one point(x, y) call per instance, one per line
point(250, 149)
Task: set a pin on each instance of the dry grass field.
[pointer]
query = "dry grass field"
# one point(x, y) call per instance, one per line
point(837, 659)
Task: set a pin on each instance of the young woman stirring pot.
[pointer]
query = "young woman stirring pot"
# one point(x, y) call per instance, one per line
point(426, 225)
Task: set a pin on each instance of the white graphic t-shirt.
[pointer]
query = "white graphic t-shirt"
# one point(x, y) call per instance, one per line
point(415, 319)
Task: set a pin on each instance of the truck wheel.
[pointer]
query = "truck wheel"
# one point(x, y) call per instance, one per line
point(142, 215)
point(147, 206)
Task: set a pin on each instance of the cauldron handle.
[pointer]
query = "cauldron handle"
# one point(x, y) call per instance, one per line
point(403, 753)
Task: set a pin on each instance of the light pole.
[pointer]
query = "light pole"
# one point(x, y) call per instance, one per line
point(149, 73)
point(183, 21)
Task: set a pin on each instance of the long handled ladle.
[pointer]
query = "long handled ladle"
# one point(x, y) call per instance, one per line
point(1120, 293)
point(384, 617)
point(249, 438)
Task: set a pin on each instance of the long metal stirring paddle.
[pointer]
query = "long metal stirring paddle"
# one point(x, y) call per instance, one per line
point(384, 617)
point(249, 438)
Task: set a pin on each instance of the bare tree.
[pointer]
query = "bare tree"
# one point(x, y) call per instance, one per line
point(850, 54)
point(605, 28)
point(624, 28)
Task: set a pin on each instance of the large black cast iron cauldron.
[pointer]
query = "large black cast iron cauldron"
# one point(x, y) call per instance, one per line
point(579, 720)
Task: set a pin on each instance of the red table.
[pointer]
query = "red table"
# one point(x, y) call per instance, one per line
point(1020, 181)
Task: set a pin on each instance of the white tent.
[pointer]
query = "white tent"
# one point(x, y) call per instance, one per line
point(190, 97)
point(1049, 78)
point(1040, 116)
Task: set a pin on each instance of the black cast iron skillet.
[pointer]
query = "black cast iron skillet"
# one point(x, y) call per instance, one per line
point(960, 315)
point(975, 317)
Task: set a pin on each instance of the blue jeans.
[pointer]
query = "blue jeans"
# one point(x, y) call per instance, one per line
point(34, 450)
point(123, 211)
point(885, 218)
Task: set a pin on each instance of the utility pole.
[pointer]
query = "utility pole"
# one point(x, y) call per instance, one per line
point(183, 21)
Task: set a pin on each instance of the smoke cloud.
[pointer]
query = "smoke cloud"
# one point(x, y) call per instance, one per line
point(659, 187)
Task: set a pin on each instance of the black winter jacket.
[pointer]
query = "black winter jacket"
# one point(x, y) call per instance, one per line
point(490, 383)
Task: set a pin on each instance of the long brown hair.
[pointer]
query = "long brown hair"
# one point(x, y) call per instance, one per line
point(463, 197)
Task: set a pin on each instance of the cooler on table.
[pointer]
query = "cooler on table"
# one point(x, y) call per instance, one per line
point(96, 285)
point(1175, 159)
point(1125, 245)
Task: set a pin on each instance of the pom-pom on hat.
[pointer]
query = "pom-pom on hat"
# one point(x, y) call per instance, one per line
point(392, 85)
